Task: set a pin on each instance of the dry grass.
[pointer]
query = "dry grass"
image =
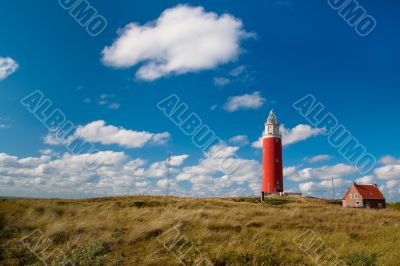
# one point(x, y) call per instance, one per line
point(129, 230)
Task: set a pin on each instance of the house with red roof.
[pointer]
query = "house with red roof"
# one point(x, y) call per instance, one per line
point(364, 196)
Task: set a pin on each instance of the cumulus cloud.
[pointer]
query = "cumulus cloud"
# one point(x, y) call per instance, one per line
point(178, 160)
point(299, 133)
point(389, 170)
point(288, 171)
point(220, 171)
point(324, 187)
point(318, 158)
point(183, 39)
point(7, 67)
point(243, 102)
point(99, 132)
point(324, 172)
point(368, 179)
point(388, 159)
point(120, 174)
point(240, 140)
point(67, 174)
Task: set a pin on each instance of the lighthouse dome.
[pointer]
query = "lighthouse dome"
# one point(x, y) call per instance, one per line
point(272, 118)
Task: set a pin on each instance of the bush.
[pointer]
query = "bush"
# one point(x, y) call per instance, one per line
point(59, 237)
point(358, 259)
point(395, 205)
point(277, 201)
point(94, 253)
point(2, 221)
point(144, 204)
point(248, 258)
point(225, 227)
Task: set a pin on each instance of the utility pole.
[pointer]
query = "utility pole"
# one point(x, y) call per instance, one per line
point(169, 158)
point(333, 190)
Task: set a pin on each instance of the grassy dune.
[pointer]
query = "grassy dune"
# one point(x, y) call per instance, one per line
point(169, 231)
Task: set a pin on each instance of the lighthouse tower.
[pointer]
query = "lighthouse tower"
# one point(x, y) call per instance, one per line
point(272, 173)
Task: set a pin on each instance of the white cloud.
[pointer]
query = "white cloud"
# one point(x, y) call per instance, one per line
point(118, 174)
point(318, 158)
point(288, 171)
point(299, 133)
point(243, 102)
point(114, 106)
point(238, 74)
point(183, 39)
point(109, 100)
point(221, 81)
point(391, 184)
point(237, 71)
point(51, 139)
point(324, 172)
point(390, 168)
point(98, 131)
point(178, 160)
point(163, 183)
point(389, 160)
point(368, 179)
point(220, 171)
point(391, 171)
point(324, 187)
point(7, 67)
point(240, 140)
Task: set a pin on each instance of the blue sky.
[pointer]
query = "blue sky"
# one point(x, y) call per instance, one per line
point(229, 61)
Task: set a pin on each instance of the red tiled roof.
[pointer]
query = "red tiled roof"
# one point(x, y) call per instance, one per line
point(367, 192)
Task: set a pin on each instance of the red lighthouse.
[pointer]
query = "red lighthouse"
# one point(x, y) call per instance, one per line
point(272, 173)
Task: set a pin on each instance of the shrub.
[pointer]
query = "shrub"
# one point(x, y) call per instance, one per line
point(39, 210)
point(255, 224)
point(57, 211)
point(147, 235)
point(144, 204)
point(395, 205)
point(225, 227)
point(59, 237)
point(358, 259)
point(248, 258)
point(2, 221)
point(94, 253)
point(277, 201)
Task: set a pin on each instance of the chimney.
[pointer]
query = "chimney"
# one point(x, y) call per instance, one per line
point(354, 184)
point(376, 185)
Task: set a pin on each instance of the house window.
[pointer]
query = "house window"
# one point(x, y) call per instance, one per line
point(351, 196)
point(355, 196)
